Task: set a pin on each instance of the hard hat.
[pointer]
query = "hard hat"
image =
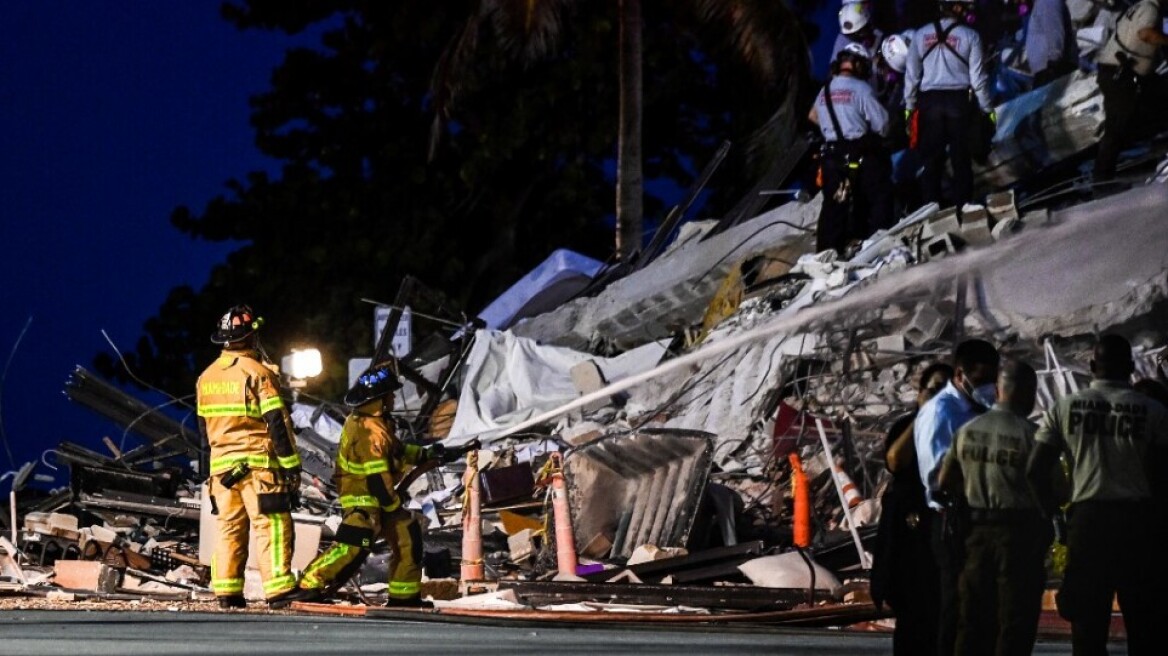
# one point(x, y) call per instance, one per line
point(239, 322)
point(376, 382)
point(854, 17)
point(856, 49)
point(895, 52)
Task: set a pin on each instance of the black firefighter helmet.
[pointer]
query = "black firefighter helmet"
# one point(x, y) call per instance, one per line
point(377, 381)
point(235, 326)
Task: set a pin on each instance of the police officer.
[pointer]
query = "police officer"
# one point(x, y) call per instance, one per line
point(1126, 64)
point(969, 394)
point(1106, 432)
point(1001, 584)
point(369, 458)
point(254, 462)
point(857, 169)
point(944, 66)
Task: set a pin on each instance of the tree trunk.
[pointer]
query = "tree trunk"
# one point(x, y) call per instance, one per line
point(629, 174)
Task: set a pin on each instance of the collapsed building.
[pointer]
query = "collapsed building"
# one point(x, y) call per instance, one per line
point(676, 394)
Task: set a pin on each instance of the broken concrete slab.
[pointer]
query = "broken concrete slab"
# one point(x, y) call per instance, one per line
point(86, 575)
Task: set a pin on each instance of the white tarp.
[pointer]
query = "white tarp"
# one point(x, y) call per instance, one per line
point(510, 379)
point(558, 278)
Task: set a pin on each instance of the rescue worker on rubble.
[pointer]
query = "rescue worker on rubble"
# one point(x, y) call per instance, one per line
point(856, 166)
point(1001, 585)
point(856, 26)
point(945, 67)
point(1127, 63)
point(1051, 49)
point(369, 459)
point(1106, 431)
point(903, 572)
point(970, 393)
point(254, 465)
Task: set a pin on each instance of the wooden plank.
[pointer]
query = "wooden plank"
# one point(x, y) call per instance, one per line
point(328, 609)
point(542, 593)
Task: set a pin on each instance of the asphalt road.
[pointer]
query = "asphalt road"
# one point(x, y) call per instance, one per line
point(101, 633)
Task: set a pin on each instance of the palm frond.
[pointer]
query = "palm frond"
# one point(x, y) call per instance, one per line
point(764, 33)
point(529, 29)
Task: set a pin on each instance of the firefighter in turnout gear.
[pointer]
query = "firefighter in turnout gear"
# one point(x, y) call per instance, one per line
point(857, 169)
point(253, 462)
point(369, 460)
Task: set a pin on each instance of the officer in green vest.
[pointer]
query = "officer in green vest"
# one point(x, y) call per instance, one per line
point(1001, 583)
point(1106, 432)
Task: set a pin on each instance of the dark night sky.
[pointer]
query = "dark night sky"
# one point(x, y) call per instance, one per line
point(111, 114)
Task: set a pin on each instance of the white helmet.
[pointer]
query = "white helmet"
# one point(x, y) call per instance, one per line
point(895, 52)
point(857, 49)
point(854, 17)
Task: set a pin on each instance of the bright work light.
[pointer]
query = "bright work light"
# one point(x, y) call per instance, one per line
point(302, 364)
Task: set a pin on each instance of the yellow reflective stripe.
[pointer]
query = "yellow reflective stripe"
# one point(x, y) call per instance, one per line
point(404, 588)
point(227, 585)
point(254, 461)
point(288, 462)
point(273, 403)
point(362, 468)
point(335, 553)
point(279, 556)
point(280, 584)
point(229, 410)
point(358, 501)
point(412, 453)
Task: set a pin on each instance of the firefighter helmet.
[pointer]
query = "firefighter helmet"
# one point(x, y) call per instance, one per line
point(895, 52)
point(858, 57)
point(235, 326)
point(854, 17)
point(376, 382)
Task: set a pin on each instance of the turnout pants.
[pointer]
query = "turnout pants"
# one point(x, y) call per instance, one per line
point(359, 529)
point(945, 119)
point(255, 506)
point(1110, 553)
point(857, 193)
point(1001, 585)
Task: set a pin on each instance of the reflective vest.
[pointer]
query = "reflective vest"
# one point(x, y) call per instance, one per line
point(370, 458)
point(234, 393)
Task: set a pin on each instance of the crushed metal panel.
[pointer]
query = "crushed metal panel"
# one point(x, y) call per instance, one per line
point(638, 489)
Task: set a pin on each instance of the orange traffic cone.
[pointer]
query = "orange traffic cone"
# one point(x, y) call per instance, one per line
point(802, 519)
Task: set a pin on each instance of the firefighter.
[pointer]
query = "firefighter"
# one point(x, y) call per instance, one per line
point(1108, 432)
point(857, 168)
point(1001, 584)
point(369, 459)
point(944, 66)
point(254, 466)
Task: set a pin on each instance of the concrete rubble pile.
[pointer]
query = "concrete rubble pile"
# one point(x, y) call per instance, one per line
point(676, 397)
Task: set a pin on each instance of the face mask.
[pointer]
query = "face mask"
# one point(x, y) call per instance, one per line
point(986, 394)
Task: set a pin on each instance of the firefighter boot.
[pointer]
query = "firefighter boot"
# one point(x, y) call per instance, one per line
point(232, 601)
point(408, 602)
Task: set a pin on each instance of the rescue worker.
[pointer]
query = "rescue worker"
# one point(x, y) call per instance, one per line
point(1001, 584)
point(254, 465)
point(1051, 49)
point(856, 167)
point(944, 65)
point(369, 459)
point(856, 26)
point(970, 393)
point(903, 571)
point(1107, 432)
point(906, 190)
point(1126, 79)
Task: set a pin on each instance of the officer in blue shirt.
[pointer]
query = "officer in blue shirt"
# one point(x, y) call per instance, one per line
point(970, 393)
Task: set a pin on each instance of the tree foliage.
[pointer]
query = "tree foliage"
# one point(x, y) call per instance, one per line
point(525, 166)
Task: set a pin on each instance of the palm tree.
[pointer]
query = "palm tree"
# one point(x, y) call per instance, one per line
point(765, 34)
